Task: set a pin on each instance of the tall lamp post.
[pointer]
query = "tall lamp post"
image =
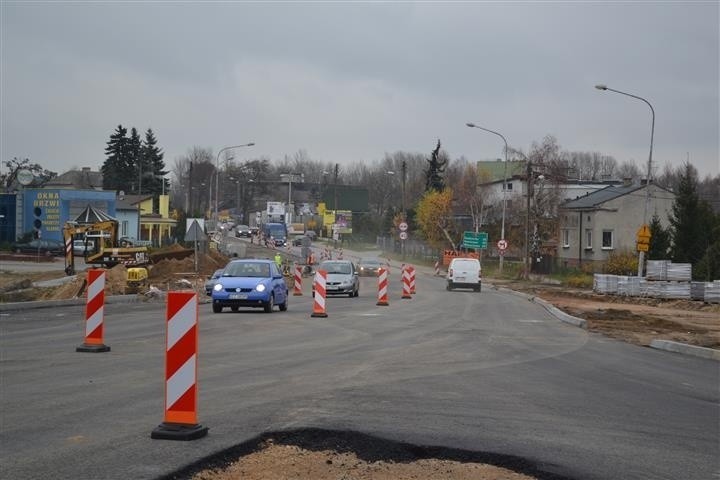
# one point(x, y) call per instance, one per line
point(403, 171)
point(641, 257)
point(217, 173)
point(504, 189)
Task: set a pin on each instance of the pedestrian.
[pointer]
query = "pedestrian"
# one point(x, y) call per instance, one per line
point(278, 260)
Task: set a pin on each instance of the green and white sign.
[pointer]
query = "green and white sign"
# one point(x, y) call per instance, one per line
point(476, 240)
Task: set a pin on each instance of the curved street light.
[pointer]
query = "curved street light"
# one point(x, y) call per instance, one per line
point(217, 173)
point(602, 87)
point(504, 190)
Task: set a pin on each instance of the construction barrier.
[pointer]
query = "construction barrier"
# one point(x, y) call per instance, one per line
point(181, 390)
point(437, 268)
point(382, 287)
point(450, 254)
point(320, 283)
point(412, 279)
point(94, 313)
point(405, 282)
point(297, 287)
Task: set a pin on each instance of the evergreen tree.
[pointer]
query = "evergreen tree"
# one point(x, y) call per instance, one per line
point(659, 240)
point(136, 162)
point(434, 173)
point(117, 174)
point(153, 165)
point(708, 268)
point(690, 220)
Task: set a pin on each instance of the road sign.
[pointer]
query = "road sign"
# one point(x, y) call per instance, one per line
point(403, 235)
point(475, 240)
point(643, 235)
point(403, 226)
point(643, 247)
point(502, 245)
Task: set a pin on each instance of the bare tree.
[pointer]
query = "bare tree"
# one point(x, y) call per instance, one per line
point(471, 197)
point(192, 177)
point(628, 169)
point(9, 181)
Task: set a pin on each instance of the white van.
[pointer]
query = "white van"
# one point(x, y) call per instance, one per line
point(464, 273)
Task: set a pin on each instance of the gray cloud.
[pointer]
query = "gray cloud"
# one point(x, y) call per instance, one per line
point(348, 82)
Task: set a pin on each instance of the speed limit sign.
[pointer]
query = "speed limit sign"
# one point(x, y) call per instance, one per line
point(502, 245)
point(403, 235)
point(403, 226)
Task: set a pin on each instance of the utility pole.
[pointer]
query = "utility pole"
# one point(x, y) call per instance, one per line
point(529, 181)
point(335, 181)
point(404, 215)
point(336, 234)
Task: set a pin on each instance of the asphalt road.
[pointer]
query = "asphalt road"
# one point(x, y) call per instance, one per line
point(485, 372)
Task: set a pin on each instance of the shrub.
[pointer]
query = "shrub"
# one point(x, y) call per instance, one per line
point(622, 263)
point(579, 281)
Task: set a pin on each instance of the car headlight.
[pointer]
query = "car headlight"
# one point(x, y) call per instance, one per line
point(218, 287)
point(260, 287)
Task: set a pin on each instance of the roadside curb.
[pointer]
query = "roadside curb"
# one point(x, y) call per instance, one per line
point(115, 299)
point(552, 309)
point(677, 347)
point(667, 345)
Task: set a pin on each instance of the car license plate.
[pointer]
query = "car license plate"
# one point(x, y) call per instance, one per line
point(459, 279)
point(238, 296)
point(331, 287)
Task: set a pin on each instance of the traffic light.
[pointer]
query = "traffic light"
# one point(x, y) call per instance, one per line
point(37, 223)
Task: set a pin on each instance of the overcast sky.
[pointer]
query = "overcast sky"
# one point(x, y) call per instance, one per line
point(350, 82)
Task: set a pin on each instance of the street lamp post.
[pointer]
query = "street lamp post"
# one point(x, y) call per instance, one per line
point(504, 188)
point(217, 173)
point(290, 177)
point(641, 257)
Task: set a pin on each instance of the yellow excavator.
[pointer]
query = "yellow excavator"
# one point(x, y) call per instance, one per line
point(105, 250)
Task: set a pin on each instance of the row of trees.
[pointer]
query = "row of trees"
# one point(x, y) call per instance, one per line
point(134, 165)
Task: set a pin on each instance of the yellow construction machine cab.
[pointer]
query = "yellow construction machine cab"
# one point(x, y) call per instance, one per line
point(107, 251)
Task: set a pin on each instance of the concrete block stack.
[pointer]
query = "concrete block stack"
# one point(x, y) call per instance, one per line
point(605, 283)
point(712, 292)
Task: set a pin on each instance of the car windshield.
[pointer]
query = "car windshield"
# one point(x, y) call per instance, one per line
point(370, 262)
point(336, 268)
point(247, 269)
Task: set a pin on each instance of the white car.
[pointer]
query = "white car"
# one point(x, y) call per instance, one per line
point(464, 273)
point(81, 246)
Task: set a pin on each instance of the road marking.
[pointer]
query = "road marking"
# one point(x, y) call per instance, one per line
point(531, 321)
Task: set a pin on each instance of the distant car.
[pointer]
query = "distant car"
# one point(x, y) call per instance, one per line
point(45, 247)
point(301, 240)
point(342, 278)
point(81, 247)
point(242, 231)
point(369, 266)
point(464, 273)
point(212, 279)
point(250, 283)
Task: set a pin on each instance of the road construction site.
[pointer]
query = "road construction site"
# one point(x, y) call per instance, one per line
point(486, 380)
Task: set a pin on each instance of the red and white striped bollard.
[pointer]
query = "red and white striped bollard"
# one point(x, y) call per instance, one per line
point(320, 284)
point(94, 313)
point(181, 388)
point(382, 287)
point(412, 279)
point(297, 286)
point(405, 283)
